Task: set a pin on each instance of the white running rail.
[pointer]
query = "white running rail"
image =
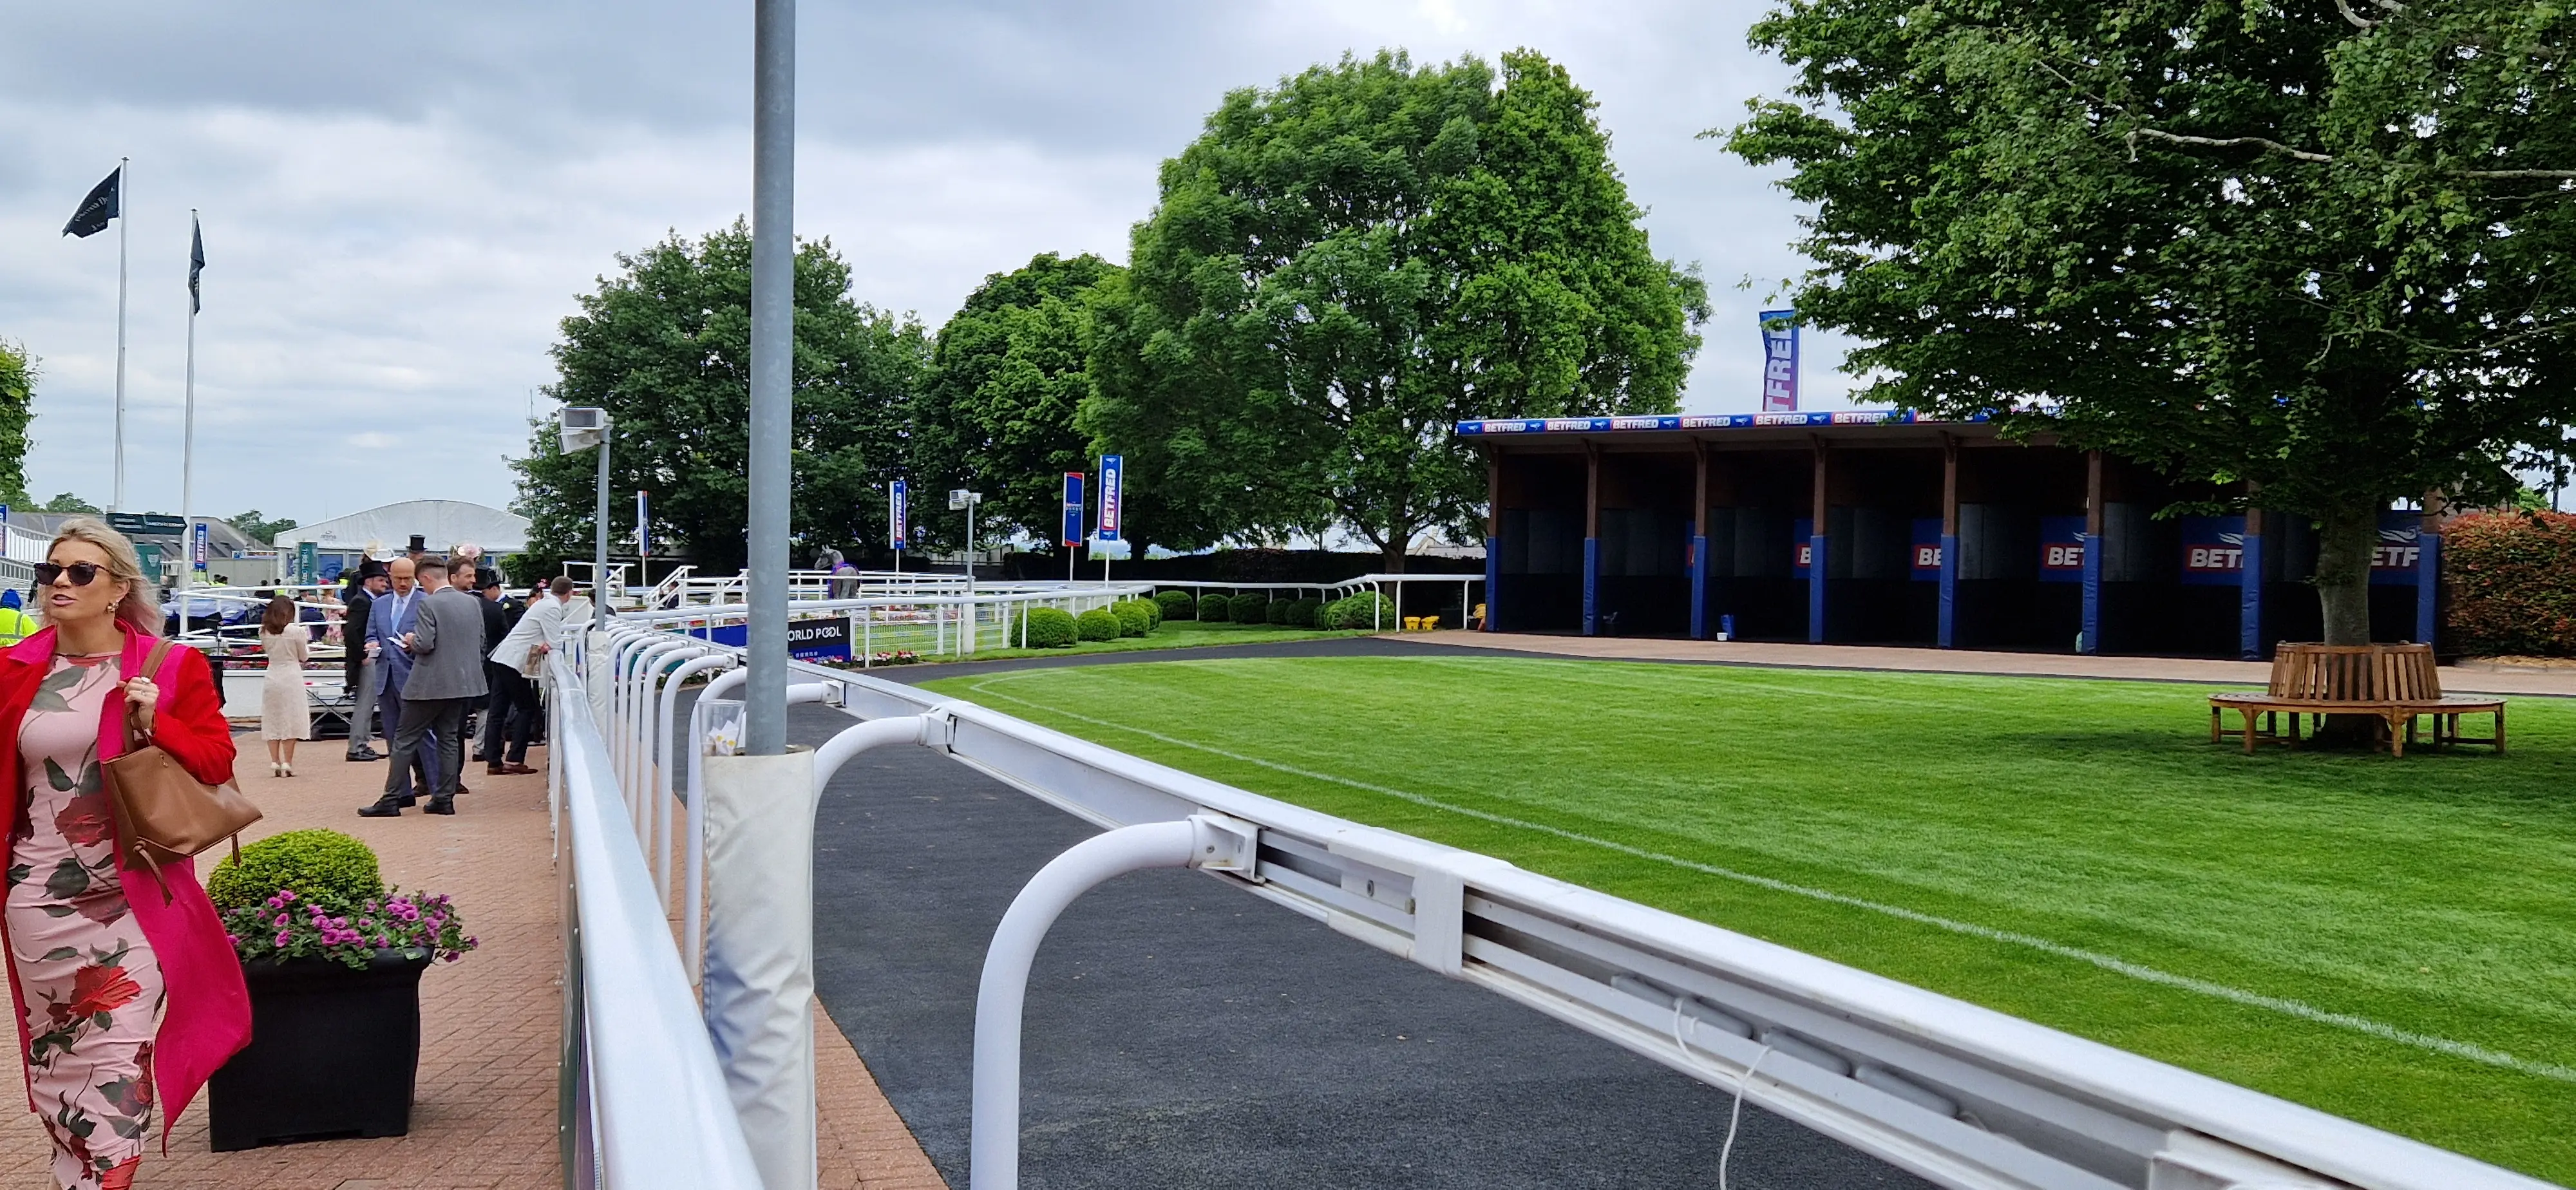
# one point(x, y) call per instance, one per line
point(1961, 1095)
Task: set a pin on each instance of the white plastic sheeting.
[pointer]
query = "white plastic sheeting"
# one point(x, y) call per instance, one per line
point(442, 524)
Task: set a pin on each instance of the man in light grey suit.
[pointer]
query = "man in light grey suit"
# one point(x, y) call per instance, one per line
point(446, 648)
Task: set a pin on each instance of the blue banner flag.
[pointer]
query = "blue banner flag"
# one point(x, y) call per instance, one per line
point(1779, 361)
point(1113, 496)
point(898, 511)
point(643, 525)
point(1072, 509)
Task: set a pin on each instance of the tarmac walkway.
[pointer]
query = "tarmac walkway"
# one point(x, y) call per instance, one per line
point(2476, 678)
point(485, 1101)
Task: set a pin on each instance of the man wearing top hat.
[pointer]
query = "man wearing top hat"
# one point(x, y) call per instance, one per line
point(361, 669)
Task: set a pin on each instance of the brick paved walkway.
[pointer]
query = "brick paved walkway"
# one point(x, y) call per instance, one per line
point(484, 1114)
point(2482, 679)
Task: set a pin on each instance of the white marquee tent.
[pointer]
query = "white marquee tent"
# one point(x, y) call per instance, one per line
point(442, 524)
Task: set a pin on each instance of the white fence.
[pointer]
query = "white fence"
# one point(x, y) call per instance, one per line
point(937, 623)
point(1961, 1095)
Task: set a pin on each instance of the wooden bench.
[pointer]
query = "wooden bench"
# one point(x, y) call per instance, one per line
point(2394, 684)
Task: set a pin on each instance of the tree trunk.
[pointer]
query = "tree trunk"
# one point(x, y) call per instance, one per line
point(1393, 553)
point(2346, 539)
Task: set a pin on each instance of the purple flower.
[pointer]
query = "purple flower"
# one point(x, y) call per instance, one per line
point(282, 939)
point(281, 920)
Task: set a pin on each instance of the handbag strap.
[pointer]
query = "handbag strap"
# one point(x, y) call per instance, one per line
point(161, 647)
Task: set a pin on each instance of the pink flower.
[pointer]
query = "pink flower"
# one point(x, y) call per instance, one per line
point(282, 938)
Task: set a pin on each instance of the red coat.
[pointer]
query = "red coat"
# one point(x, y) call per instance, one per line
point(207, 1019)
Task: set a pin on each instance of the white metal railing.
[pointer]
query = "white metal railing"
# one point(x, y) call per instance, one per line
point(1961, 1095)
point(642, 1098)
point(936, 623)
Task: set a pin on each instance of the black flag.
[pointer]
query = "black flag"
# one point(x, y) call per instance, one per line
point(101, 206)
point(196, 259)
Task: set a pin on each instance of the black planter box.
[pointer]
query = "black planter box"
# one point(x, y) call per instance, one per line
point(332, 1054)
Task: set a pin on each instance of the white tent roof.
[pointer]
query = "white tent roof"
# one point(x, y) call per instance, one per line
point(383, 531)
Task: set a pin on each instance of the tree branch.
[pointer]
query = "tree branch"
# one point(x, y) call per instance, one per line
point(2358, 21)
point(2221, 143)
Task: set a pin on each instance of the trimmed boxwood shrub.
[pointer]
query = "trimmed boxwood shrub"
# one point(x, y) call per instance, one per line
point(313, 863)
point(1215, 609)
point(1048, 628)
point(1098, 624)
point(1276, 611)
point(2512, 580)
point(1153, 612)
point(1355, 611)
point(1177, 605)
point(1133, 619)
point(1251, 609)
point(1302, 612)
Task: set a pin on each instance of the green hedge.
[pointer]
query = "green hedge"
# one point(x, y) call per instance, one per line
point(1302, 613)
point(1276, 611)
point(314, 863)
point(2512, 580)
point(1177, 605)
point(1354, 611)
point(1099, 624)
point(1133, 619)
point(1153, 612)
point(1215, 609)
point(1251, 609)
point(1048, 628)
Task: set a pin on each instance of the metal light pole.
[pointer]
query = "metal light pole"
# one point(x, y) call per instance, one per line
point(773, 312)
point(583, 427)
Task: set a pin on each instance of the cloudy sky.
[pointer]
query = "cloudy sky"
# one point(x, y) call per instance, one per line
point(400, 201)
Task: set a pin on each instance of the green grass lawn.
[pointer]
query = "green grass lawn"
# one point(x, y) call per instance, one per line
point(2393, 941)
point(1173, 634)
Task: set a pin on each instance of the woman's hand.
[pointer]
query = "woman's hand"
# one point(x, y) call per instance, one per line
point(140, 697)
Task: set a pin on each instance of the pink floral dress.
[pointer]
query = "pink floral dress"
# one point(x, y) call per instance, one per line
point(90, 985)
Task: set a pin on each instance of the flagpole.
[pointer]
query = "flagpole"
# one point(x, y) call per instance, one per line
point(124, 204)
point(188, 450)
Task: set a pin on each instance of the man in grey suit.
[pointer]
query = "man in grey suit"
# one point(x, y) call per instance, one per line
point(446, 648)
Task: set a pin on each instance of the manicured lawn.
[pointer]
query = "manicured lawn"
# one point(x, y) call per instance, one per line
point(1174, 634)
point(2333, 929)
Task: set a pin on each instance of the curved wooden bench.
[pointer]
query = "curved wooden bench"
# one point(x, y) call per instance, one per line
point(2395, 684)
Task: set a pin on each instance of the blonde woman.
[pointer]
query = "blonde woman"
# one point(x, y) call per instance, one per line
point(285, 710)
point(129, 995)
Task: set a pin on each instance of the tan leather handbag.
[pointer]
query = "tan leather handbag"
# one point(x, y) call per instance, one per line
point(162, 811)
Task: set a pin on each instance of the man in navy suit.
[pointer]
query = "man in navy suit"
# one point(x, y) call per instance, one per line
point(395, 614)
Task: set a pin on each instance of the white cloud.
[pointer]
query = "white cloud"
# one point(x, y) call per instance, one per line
point(399, 208)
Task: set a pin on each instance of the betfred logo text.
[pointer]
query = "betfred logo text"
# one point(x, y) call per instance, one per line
point(2062, 556)
point(1927, 557)
point(1806, 553)
point(2396, 557)
point(2210, 559)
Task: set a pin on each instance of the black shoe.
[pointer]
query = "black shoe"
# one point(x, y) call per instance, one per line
point(407, 801)
point(366, 754)
point(460, 788)
point(440, 805)
point(384, 807)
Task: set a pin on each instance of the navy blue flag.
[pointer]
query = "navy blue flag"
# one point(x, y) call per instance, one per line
point(102, 205)
point(197, 264)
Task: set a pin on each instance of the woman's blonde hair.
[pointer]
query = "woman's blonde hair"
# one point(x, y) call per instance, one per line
point(140, 608)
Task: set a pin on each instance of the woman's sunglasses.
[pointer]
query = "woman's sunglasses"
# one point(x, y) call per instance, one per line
point(81, 572)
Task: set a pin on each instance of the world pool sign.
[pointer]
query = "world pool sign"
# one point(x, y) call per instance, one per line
point(822, 639)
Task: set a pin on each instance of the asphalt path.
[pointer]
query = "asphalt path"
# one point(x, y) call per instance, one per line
point(1181, 1033)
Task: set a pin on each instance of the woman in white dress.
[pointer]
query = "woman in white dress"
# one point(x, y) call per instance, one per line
point(285, 713)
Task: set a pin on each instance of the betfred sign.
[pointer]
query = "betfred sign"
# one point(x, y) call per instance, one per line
point(2061, 549)
point(1924, 551)
point(2213, 550)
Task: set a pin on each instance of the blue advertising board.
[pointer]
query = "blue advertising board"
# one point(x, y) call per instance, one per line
point(1802, 545)
point(2061, 549)
point(1923, 559)
point(197, 546)
point(898, 512)
point(826, 639)
point(1113, 496)
point(643, 524)
point(2393, 562)
point(2213, 551)
point(1072, 509)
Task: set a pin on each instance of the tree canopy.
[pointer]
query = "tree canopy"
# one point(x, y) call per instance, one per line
point(1341, 267)
point(664, 347)
point(996, 412)
point(17, 408)
point(2327, 247)
point(259, 528)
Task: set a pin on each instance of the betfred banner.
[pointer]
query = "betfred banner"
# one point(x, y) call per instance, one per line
point(2400, 550)
point(1779, 361)
point(2213, 551)
point(2061, 549)
point(1802, 549)
point(826, 639)
point(898, 512)
point(1113, 496)
point(1072, 509)
point(1923, 558)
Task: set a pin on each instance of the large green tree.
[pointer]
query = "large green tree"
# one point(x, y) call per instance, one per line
point(1343, 266)
point(665, 347)
point(17, 408)
point(997, 411)
point(2327, 247)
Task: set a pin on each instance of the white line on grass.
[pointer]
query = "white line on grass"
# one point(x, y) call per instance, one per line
point(2112, 963)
